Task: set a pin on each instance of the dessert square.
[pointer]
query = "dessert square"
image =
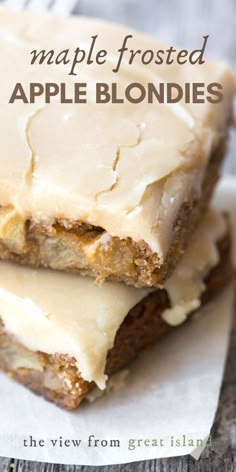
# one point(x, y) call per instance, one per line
point(109, 190)
point(60, 334)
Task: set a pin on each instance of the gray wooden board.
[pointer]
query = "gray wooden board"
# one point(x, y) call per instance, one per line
point(181, 22)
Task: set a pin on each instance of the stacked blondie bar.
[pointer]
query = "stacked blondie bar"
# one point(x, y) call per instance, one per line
point(107, 241)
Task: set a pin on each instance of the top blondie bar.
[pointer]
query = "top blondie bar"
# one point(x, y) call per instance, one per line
point(112, 190)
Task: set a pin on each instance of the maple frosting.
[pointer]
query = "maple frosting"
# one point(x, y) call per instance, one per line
point(126, 168)
point(56, 312)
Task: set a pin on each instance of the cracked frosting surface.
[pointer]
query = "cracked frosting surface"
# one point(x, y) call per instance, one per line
point(68, 314)
point(127, 168)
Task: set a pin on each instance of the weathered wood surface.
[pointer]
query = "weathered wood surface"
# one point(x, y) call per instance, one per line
point(181, 22)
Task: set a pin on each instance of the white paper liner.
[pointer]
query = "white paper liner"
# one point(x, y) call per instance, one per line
point(172, 390)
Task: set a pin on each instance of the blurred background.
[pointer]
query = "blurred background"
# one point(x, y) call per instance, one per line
point(178, 22)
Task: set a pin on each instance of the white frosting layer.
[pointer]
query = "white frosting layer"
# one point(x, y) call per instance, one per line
point(59, 312)
point(186, 283)
point(127, 168)
point(56, 312)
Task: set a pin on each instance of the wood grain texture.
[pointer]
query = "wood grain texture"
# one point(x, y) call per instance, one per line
point(5, 464)
point(183, 23)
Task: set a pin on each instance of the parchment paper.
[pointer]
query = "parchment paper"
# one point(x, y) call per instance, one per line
point(171, 394)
